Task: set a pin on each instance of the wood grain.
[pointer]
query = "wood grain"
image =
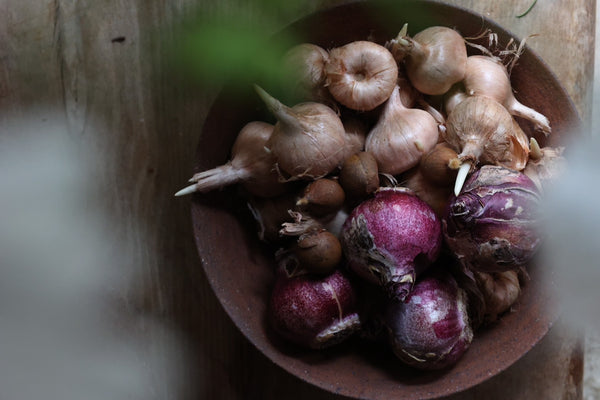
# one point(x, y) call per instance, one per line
point(101, 65)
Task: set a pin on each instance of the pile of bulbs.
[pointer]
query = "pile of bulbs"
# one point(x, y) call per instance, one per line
point(391, 219)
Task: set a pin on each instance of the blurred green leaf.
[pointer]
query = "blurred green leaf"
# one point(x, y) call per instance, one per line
point(231, 50)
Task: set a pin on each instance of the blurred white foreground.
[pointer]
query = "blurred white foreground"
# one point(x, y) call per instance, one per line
point(572, 250)
point(64, 331)
point(573, 228)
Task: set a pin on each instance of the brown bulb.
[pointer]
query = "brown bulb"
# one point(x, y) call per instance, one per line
point(439, 166)
point(318, 252)
point(356, 133)
point(435, 58)
point(482, 131)
point(500, 291)
point(359, 175)
point(436, 195)
point(401, 136)
point(305, 64)
point(322, 197)
point(308, 139)
point(361, 75)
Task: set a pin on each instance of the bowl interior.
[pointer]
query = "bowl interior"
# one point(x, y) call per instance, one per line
point(239, 267)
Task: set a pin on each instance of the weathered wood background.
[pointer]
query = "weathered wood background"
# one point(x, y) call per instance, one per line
point(99, 65)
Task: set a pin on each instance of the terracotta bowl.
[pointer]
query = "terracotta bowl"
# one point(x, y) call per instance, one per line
point(240, 268)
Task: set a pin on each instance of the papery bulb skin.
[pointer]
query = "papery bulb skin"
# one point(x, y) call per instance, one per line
point(264, 180)
point(453, 97)
point(391, 238)
point(432, 180)
point(492, 225)
point(296, 148)
point(487, 76)
point(361, 74)
point(482, 131)
point(313, 311)
point(430, 329)
point(438, 165)
point(545, 165)
point(500, 291)
point(308, 140)
point(356, 135)
point(359, 176)
point(401, 136)
point(408, 94)
point(250, 165)
point(305, 65)
point(436, 195)
point(435, 58)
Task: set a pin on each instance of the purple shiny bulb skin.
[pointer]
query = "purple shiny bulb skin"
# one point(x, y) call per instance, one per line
point(493, 224)
point(314, 311)
point(390, 238)
point(430, 329)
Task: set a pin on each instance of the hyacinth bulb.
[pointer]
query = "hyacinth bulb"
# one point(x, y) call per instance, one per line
point(390, 238)
point(492, 225)
point(313, 311)
point(430, 330)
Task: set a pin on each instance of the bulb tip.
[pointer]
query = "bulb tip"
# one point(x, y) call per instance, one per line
point(186, 190)
point(404, 31)
point(461, 176)
point(302, 202)
point(257, 88)
point(535, 152)
point(263, 94)
point(274, 105)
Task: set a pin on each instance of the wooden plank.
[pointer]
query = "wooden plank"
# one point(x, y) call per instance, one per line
point(100, 65)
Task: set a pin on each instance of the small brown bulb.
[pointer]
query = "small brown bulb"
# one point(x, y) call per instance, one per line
point(359, 175)
point(322, 197)
point(318, 252)
point(436, 195)
point(500, 291)
point(439, 166)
